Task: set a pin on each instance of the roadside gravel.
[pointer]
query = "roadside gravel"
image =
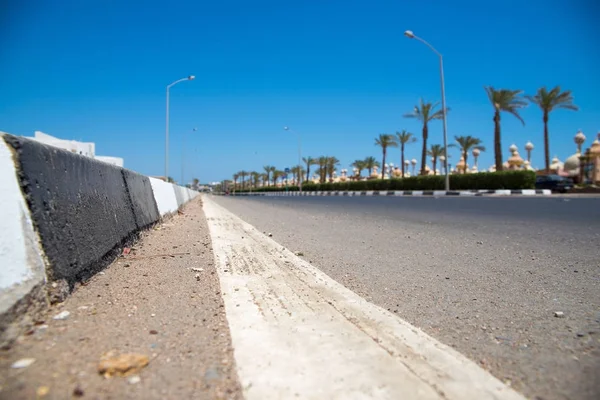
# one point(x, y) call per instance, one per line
point(149, 302)
point(466, 272)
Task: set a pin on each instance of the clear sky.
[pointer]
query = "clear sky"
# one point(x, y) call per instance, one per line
point(339, 72)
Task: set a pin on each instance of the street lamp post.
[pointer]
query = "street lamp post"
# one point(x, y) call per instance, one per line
point(183, 156)
point(189, 78)
point(411, 35)
point(299, 157)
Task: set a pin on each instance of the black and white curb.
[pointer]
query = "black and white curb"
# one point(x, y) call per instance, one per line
point(466, 193)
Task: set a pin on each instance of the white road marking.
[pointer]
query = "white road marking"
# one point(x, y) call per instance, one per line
point(298, 334)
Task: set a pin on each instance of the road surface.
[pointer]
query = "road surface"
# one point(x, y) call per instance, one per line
point(483, 275)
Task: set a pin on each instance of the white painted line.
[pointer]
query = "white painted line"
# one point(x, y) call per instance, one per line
point(298, 334)
point(528, 192)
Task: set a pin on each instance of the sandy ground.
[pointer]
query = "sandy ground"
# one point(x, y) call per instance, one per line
point(148, 302)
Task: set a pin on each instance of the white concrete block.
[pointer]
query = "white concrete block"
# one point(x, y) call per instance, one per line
point(164, 196)
point(22, 265)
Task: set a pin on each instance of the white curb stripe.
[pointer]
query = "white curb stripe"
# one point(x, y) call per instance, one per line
point(299, 334)
point(417, 193)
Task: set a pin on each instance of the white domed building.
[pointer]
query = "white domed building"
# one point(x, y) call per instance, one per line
point(572, 165)
point(556, 167)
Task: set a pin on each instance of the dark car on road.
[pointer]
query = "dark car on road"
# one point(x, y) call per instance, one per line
point(556, 183)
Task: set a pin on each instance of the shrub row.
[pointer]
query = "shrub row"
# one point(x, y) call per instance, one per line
point(484, 180)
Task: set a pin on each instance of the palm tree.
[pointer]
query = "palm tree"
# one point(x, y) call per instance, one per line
point(255, 177)
point(332, 162)
point(403, 138)
point(272, 170)
point(466, 144)
point(318, 173)
point(297, 171)
point(509, 101)
point(243, 175)
point(425, 113)
point(370, 163)
point(268, 169)
point(309, 161)
point(276, 174)
point(236, 176)
point(384, 141)
point(322, 162)
point(548, 101)
point(359, 165)
point(265, 178)
point(435, 152)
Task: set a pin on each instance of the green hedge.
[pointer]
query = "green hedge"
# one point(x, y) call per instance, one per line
point(482, 180)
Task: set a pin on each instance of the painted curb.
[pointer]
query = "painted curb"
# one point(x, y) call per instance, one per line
point(415, 193)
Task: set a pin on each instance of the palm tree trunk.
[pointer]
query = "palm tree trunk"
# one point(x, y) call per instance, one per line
point(465, 155)
point(424, 150)
point(497, 142)
point(434, 165)
point(402, 158)
point(307, 172)
point(383, 164)
point(546, 143)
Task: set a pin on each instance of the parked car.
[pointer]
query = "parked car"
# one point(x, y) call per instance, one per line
point(556, 183)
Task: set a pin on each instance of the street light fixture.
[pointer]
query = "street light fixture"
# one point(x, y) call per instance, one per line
point(286, 128)
point(189, 78)
point(411, 35)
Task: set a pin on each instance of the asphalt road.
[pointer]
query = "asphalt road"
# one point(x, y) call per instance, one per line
point(484, 275)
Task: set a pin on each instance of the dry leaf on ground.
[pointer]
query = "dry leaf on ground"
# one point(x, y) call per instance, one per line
point(123, 365)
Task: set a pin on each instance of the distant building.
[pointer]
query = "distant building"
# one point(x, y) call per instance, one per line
point(118, 161)
point(87, 149)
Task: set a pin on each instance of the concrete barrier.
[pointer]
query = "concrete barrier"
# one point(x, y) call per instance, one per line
point(165, 196)
point(141, 195)
point(65, 217)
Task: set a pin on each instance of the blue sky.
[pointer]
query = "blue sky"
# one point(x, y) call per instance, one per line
point(337, 72)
